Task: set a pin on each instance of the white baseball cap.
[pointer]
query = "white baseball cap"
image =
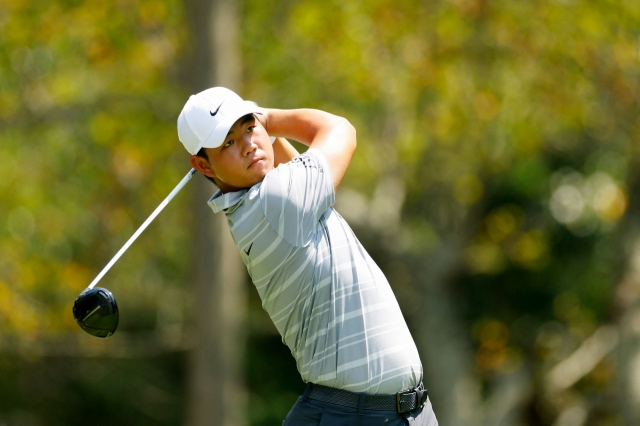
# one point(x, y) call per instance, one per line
point(207, 117)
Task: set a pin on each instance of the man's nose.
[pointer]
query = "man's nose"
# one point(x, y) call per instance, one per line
point(247, 144)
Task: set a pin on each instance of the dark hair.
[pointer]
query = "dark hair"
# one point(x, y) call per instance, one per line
point(203, 154)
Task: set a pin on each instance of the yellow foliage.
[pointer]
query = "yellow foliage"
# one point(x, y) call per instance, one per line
point(308, 19)
point(468, 189)
point(74, 276)
point(15, 312)
point(126, 164)
point(66, 68)
point(610, 202)
point(66, 87)
point(100, 51)
point(486, 105)
point(452, 29)
point(494, 334)
point(21, 223)
point(152, 13)
point(485, 257)
point(14, 5)
point(503, 222)
point(493, 351)
point(104, 128)
point(28, 277)
point(117, 220)
point(9, 103)
point(51, 223)
point(531, 249)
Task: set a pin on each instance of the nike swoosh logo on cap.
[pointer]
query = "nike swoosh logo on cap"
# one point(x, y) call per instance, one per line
point(249, 251)
point(216, 111)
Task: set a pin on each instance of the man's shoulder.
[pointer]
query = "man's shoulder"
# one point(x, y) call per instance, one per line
point(311, 158)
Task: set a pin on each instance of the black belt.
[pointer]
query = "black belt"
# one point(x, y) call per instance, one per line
point(402, 402)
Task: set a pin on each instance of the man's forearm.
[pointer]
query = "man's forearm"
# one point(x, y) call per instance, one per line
point(302, 125)
point(283, 151)
point(334, 136)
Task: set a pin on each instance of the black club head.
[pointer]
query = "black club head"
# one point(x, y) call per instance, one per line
point(96, 312)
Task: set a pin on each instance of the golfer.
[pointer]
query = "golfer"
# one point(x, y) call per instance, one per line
point(330, 302)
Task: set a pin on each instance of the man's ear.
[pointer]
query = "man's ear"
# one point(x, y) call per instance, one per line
point(202, 165)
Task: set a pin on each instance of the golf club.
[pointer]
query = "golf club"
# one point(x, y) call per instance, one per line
point(95, 310)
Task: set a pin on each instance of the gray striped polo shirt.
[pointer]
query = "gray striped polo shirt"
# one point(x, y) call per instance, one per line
point(330, 302)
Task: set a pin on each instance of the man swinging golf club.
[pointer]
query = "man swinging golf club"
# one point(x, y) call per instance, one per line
point(330, 302)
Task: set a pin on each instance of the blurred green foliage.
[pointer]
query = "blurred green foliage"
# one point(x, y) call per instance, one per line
point(507, 128)
point(510, 126)
point(87, 103)
point(98, 391)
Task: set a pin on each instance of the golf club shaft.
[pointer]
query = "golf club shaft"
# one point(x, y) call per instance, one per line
point(146, 223)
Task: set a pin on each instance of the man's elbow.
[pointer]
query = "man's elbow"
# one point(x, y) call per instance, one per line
point(349, 133)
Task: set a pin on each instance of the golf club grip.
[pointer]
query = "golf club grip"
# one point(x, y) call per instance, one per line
point(146, 223)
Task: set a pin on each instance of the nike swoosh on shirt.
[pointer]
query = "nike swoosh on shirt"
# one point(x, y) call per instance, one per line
point(249, 251)
point(217, 109)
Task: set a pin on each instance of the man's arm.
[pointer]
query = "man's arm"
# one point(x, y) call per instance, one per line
point(283, 151)
point(334, 136)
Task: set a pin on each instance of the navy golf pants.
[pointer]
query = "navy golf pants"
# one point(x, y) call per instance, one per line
point(310, 412)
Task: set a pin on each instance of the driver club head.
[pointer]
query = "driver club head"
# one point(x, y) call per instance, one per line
point(96, 312)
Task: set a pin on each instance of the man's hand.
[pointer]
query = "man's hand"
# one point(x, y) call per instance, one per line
point(262, 116)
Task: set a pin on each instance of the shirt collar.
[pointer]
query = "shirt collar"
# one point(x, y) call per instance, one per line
point(219, 201)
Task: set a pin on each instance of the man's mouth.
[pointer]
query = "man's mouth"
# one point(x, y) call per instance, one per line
point(255, 161)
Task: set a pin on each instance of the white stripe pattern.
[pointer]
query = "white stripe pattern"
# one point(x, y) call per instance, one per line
point(330, 302)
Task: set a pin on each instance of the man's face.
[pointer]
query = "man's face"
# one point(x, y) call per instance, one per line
point(244, 158)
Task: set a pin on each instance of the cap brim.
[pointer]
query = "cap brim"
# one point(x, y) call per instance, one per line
point(231, 112)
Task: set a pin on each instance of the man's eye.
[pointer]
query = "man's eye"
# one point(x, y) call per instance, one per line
point(229, 143)
point(250, 129)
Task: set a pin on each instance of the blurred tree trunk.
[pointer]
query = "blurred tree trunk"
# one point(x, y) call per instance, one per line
point(441, 337)
point(216, 396)
point(443, 340)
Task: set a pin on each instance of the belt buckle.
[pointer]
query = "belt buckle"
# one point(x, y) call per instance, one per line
point(399, 396)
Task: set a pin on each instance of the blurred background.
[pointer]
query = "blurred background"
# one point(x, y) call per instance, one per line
point(496, 183)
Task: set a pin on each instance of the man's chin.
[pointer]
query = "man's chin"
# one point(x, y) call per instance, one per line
point(257, 178)
point(262, 169)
